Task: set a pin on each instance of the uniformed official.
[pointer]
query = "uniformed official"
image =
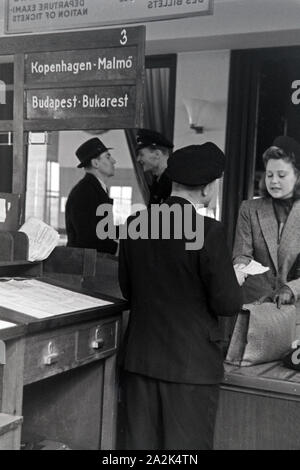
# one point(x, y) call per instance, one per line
point(172, 358)
point(153, 151)
point(87, 195)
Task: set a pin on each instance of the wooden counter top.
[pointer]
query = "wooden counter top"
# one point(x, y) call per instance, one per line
point(270, 377)
point(28, 325)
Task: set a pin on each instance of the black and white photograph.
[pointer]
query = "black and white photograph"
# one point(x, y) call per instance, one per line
point(149, 228)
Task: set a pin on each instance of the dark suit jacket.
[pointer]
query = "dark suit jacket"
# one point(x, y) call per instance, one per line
point(257, 238)
point(175, 297)
point(160, 190)
point(81, 219)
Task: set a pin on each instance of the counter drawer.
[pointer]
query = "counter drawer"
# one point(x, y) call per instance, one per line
point(98, 339)
point(48, 354)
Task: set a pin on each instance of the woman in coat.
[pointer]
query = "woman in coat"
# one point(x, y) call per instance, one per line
point(268, 228)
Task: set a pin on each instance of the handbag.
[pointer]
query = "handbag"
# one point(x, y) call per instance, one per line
point(262, 333)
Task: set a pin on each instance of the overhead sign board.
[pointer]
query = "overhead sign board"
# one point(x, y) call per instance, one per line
point(37, 15)
point(102, 83)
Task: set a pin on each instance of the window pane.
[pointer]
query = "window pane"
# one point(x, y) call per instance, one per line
point(126, 192)
point(52, 172)
point(115, 191)
point(36, 181)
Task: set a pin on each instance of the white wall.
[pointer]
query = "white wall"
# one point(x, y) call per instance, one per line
point(202, 75)
point(205, 76)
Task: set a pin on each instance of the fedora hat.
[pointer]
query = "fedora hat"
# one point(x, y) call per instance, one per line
point(90, 149)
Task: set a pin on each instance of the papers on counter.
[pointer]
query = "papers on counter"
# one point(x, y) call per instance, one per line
point(42, 238)
point(6, 324)
point(254, 267)
point(41, 300)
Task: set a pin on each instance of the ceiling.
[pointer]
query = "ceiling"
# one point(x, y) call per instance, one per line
point(234, 24)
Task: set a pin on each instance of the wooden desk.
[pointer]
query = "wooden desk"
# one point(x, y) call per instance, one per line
point(259, 408)
point(72, 399)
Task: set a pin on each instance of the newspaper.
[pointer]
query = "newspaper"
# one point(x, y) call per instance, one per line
point(42, 238)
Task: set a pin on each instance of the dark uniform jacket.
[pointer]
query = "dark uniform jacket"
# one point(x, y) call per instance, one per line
point(81, 219)
point(176, 297)
point(160, 189)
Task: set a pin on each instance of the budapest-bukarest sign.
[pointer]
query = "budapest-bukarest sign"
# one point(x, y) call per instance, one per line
point(42, 15)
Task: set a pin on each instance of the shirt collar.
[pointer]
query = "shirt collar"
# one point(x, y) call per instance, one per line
point(197, 207)
point(102, 184)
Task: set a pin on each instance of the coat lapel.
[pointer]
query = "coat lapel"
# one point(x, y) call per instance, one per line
point(98, 188)
point(269, 228)
point(290, 239)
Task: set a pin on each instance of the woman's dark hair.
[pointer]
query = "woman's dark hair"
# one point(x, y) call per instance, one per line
point(276, 153)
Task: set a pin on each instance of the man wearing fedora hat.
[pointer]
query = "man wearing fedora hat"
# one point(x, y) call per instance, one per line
point(153, 151)
point(87, 195)
point(172, 359)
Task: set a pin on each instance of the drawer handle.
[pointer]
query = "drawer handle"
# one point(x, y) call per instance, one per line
point(52, 356)
point(98, 342)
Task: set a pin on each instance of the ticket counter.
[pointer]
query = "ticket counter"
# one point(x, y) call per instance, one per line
point(58, 382)
point(259, 409)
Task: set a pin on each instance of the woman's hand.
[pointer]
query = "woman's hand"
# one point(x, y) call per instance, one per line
point(241, 277)
point(284, 296)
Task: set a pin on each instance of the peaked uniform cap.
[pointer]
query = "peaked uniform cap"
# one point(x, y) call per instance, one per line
point(148, 138)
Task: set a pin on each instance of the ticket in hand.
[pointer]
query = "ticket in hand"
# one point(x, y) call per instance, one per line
point(254, 267)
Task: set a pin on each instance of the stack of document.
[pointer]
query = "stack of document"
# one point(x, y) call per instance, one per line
point(42, 238)
point(41, 300)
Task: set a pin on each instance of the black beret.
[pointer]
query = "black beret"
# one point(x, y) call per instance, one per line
point(90, 149)
point(148, 138)
point(290, 147)
point(196, 165)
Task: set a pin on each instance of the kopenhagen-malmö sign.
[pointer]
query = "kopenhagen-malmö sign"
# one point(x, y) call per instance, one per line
point(41, 15)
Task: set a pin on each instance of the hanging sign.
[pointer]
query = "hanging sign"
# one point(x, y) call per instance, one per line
point(38, 15)
point(103, 84)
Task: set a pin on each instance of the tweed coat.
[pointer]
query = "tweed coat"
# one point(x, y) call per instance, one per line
point(257, 238)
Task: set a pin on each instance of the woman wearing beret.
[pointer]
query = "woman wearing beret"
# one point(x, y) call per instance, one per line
point(268, 228)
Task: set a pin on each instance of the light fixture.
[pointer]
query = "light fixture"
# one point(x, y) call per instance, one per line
point(204, 115)
point(96, 131)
